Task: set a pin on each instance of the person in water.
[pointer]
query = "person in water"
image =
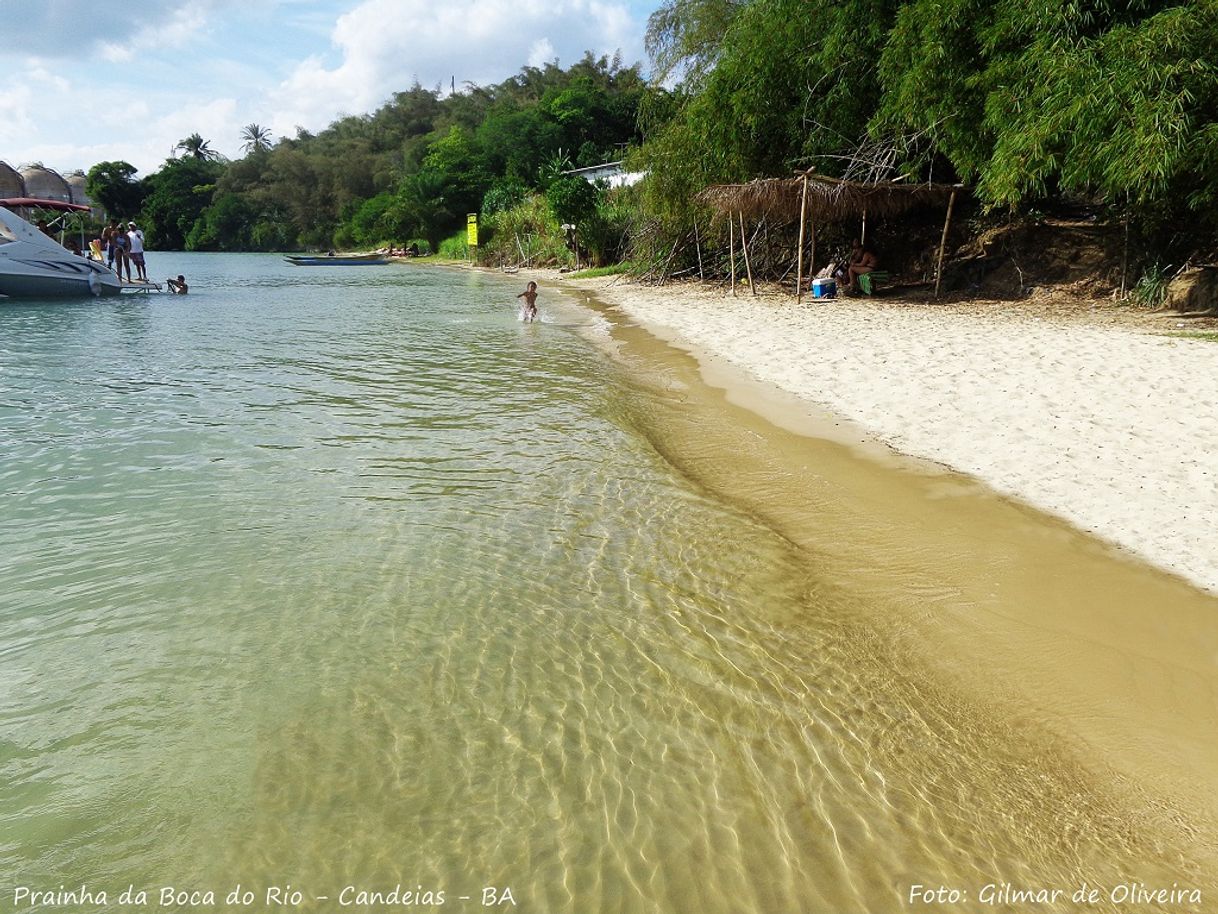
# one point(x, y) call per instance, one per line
point(177, 286)
point(528, 313)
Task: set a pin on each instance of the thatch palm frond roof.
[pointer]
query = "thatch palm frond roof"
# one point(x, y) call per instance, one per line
point(829, 199)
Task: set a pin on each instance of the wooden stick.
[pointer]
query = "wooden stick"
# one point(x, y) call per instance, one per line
point(698, 248)
point(947, 224)
point(863, 234)
point(1125, 255)
point(731, 246)
point(803, 218)
point(668, 262)
point(744, 246)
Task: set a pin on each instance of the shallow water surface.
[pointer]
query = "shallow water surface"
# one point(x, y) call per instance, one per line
point(346, 580)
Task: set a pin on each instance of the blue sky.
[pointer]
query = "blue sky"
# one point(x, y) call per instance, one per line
point(88, 82)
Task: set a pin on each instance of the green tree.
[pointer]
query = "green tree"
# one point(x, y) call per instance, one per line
point(572, 200)
point(1113, 99)
point(114, 187)
point(685, 37)
point(423, 209)
point(195, 147)
point(177, 196)
point(225, 225)
point(255, 138)
point(374, 221)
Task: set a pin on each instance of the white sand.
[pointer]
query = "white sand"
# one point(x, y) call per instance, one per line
point(1112, 428)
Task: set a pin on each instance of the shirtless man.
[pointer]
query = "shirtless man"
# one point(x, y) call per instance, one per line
point(107, 242)
point(861, 261)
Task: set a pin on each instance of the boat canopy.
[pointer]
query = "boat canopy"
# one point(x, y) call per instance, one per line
point(45, 204)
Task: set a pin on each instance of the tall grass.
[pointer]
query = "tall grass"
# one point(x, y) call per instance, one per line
point(526, 234)
point(1151, 288)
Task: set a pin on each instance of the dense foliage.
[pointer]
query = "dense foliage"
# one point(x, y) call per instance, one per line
point(1111, 101)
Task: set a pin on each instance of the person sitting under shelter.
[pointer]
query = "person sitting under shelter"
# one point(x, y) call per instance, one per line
point(862, 261)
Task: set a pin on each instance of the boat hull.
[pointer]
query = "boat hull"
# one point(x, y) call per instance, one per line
point(34, 266)
point(337, 261)
point(37, 282)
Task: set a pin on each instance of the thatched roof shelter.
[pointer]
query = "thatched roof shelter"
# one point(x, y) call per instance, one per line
point(829, 199)
point(76, 183)
point(815, 198)
point(45, 183)
point(11, 184)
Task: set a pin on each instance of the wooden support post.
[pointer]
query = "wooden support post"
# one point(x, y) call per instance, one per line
point(803, 219)
point(812, 253)
point(731, 246)
point(863, 233)
point(947, 224)
point(744, 246)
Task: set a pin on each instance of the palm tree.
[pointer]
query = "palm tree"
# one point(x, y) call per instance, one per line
point(197, 148)
point(257, 138)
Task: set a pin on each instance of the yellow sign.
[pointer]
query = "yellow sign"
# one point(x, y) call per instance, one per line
point(471, 229)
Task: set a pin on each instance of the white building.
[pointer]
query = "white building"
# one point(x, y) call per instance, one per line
point(612, 173)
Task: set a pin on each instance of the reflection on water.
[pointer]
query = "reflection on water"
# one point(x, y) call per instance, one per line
point(340, 579)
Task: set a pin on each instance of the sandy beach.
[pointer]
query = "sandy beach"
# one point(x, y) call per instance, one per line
point(1093, 417)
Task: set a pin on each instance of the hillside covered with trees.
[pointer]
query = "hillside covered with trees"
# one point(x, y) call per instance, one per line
point(1107, 104)
point(412, 169)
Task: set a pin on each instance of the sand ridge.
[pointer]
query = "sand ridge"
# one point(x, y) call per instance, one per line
point(1098, 421)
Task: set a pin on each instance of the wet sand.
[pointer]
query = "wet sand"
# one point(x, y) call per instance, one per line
point(994, 576)
point(1088, 417)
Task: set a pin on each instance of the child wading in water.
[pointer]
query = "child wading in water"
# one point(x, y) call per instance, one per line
point(528, 313)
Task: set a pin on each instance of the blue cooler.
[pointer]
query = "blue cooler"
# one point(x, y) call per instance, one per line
point(824, 288)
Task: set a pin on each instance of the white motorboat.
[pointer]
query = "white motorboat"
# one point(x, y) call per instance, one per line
point(34, 265)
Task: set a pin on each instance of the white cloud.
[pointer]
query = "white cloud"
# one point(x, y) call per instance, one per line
point(70, 28)
point(15, 123)
point(53, 80)
point(383, 48)
point(541, 53)
point(215, 118)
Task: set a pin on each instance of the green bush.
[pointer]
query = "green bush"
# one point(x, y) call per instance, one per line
point(525, 233)
point(1151, 288)
point(455, 247)
point(613, 269)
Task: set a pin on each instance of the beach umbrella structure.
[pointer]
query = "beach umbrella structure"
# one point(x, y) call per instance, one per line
point(814, 199)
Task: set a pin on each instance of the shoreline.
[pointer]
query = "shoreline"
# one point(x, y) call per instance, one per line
point(1090, 418)
point(1026, 618)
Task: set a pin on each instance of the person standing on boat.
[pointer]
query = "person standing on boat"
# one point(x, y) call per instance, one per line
point(107, 242)
point(136, 239)
point(121, 244)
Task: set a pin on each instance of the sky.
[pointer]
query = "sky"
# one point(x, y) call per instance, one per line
point(88, 82)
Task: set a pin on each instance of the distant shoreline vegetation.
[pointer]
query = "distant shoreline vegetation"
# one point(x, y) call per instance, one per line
point(1106, 108)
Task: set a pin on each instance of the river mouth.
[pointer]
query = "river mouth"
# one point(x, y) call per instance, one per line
point(353, 583)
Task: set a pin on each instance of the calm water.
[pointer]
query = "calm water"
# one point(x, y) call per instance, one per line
point(345, 578)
